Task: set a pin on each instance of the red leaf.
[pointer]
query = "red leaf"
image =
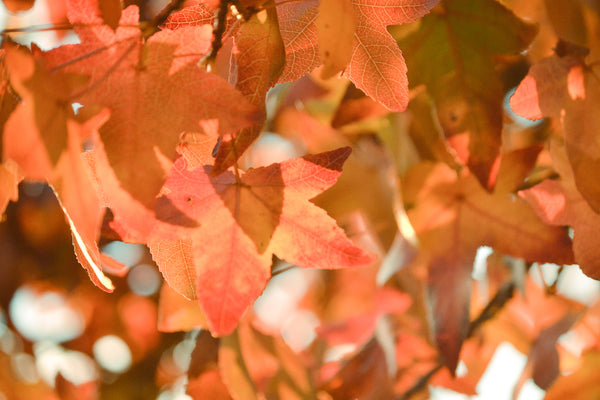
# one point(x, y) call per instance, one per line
point(145, 85)
point(240, 225)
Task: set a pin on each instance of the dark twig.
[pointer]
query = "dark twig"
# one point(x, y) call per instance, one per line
point(504, 294)
point(218, 30)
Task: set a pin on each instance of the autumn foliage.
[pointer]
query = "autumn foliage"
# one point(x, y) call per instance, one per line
point(352, 157)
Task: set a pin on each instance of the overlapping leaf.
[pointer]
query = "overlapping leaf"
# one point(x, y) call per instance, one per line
point(453, 54)
point(567, 85)
point(240, 224)
point(155, 90)
point(43, 137)
point(257, 61)
point(560, 203)
point(452, 217)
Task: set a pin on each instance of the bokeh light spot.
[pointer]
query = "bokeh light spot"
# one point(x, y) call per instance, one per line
point(44, 316)
point(112, 353)
point(144, 280)
point(125, 253)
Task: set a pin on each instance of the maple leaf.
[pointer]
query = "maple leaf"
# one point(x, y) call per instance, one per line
point(560, 203)
point(155, 90)
point(43, 136)
point(453, 216)
point(226, 258)
point(376, 66)
point(453, 54)
point(558, 85)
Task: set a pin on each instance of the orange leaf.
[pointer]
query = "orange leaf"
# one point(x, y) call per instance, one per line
point(43, 137)
point(453, 217)
point(176, 313)
point(297, 24)
point(241, 224)
point(146, 85)
point(257, 60)
point(18, 5)
point(335, 27)
point(565, 87)
point(560, 203)
point(9, 181)
point(377, 66)
point(581, 384)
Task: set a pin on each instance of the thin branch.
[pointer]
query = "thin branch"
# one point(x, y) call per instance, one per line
point(38, 28)
point(504, 294)
point(219, 27)
point(421, 383)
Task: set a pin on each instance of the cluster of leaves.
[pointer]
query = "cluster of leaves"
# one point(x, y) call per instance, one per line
point(170, 109)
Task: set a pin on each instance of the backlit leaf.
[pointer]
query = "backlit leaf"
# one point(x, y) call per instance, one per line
point(145, 85)
point(241, 224)
point(453, 54)
point(453, 216)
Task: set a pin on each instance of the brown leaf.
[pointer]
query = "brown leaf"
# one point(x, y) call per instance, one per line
point(458, 68)
point(453, 217)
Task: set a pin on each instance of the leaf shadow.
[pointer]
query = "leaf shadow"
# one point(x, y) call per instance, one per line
point(255, 201)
